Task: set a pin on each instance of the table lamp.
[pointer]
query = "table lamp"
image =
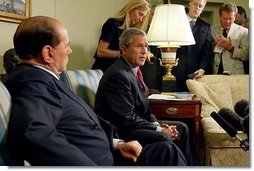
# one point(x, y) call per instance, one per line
point(169, 30)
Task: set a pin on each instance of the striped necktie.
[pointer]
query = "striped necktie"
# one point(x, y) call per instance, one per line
point(141, 81)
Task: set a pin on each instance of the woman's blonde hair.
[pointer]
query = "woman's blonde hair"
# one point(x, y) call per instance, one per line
point(123, 14)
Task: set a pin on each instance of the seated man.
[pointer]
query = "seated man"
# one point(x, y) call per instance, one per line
point(10, 60)
point(49, 124)
point(121, 98)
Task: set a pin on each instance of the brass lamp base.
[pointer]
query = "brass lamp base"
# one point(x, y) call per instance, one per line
point(168, 62)
point(168, 65)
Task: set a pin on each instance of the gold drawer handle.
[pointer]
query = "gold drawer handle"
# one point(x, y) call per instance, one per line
point(171, 111)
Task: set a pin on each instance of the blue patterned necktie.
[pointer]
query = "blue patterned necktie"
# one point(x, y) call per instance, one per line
point(192, 23)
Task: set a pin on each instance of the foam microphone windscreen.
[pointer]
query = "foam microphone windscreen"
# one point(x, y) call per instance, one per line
point(240, 107)
point(232, 118)
point(224, 124)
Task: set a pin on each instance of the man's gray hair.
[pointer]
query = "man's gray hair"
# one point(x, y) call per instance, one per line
point(126, 36)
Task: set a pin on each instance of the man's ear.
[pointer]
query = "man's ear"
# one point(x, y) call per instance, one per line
point(47, 54)
point(123, 49)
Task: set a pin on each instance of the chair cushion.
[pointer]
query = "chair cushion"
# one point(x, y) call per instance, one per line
point(214, 95)
point(83, 82)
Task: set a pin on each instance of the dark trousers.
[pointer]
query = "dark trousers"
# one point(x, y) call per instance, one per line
point(163, 153)
point(146, 137)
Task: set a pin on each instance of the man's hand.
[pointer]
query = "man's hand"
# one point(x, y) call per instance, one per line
point(130, 150)
point(170, 130)
point(199, 73)
point(226, 43)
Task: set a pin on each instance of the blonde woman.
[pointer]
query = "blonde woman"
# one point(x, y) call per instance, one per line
point(133, 14)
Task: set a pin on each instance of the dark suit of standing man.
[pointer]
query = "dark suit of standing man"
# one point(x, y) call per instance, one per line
point(49, 124)
point(121, 98)
point(195, 59)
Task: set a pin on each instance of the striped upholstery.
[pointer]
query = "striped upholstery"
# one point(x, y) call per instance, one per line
point(83, 82)
point(5, 107)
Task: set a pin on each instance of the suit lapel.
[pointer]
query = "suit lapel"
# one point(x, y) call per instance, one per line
point(232, 32)
point(133, 77)
point(196, 26)
point(75, 98)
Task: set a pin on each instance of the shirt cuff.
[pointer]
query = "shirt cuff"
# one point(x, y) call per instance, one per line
point(203, 71)
point(158, 129)
point(156, 123)
point(116, 141)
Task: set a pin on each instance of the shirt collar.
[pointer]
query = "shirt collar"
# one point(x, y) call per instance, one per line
point(190, 19)
point(134, 69)
point(47, 70)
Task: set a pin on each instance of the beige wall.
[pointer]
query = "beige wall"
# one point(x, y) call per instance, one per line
point(211, 11)
point(83, 19)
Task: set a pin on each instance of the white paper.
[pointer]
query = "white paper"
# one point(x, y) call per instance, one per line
point(161, 97)
point(218, 49)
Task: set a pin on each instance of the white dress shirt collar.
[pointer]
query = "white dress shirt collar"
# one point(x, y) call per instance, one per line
point(47, 70)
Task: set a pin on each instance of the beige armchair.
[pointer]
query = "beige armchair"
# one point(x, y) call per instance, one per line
point(215, 92)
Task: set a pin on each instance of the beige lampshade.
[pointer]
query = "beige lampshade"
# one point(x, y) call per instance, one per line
point(170, 27)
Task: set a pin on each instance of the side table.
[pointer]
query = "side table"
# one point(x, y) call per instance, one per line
point(180, 110)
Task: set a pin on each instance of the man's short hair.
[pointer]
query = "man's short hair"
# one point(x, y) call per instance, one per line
point(10, 60)
point(126, 36)
point(241, 11)
point(228, 7)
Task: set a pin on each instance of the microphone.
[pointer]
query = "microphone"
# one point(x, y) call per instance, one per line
point(246, 125)
point(239, 123)
point(234, 119)
point(240, 108)
point(231, 131)
point(224, 124)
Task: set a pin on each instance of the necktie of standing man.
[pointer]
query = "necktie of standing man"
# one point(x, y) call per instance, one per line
point(220, 69)
point(141, 81)
point(192, 23)
point(225, 33)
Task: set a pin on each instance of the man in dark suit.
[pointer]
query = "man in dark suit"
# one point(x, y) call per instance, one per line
point(194, 60)
point(49, 124)
point(121, 98)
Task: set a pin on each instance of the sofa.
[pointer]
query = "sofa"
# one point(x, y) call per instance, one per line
point(83, 82)
point(5, 107)
point(216, 92)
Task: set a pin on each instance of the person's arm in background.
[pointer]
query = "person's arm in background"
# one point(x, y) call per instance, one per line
point(108, 46)
point(104, 51)
point(206, 54)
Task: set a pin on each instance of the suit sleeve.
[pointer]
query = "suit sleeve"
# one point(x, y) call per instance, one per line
point(241, 45)
point(36, 127)
point(207, 51)
point(119, 92)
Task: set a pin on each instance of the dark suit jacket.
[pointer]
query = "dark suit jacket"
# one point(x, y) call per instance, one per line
point(194, 57)
point(120, 100)
point(50, 125)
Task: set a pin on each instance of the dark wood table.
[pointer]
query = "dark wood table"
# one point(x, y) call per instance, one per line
point(181, 110)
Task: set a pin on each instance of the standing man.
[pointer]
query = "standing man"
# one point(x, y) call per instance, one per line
point(241, 17)
point(231, 42)
point(121, 98)
point(194, 60)
point(242, 20)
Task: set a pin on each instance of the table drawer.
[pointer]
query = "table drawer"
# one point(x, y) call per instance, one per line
point(175, 111)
